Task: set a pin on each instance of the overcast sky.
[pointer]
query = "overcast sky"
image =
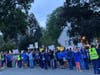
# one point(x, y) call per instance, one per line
point(42, 8)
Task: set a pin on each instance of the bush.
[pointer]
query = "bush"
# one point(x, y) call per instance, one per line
point(8, 46)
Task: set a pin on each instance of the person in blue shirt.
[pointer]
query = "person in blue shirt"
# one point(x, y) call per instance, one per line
point(9, 60)
point(60, 58)
point(64, 54)
point(77, 58)
point(84, 58)
point(31, 59)
point(25, 59)
point(70, 58)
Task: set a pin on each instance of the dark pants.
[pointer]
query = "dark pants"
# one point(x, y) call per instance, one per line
point(95, 64)
point(86, 63)
point(19, 63)
point(2, 63)
point(61, 62)
point(53, 64)
point(41, 63)
point(45, 64)
point(99, 66)
point(70, 65)
point(9, 64)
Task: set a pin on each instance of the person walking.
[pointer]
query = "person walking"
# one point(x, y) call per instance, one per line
point(94, 58)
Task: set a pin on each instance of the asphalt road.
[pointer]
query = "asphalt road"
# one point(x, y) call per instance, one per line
point(38, 71)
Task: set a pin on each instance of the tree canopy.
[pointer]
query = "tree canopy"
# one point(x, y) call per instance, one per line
point(13, 17)
point(54, 24)
point(84, 18)
point(83, 15)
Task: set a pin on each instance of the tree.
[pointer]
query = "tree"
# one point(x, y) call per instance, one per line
point(33, 33)
point(84, 18)
point(1, 40)
point(7, 47)
point(54, 24)
point(34, 27)
point(13, 17)
point(26, 41)
point(45, 39)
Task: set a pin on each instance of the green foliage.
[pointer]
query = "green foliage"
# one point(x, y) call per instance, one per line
point(33, 23)
point(54, 23)
point(1, 40)
point(84, 18)
point(26, 41)
point(30, 40)
point(8, 46)
point(13, 17)
point(45, 39)
point(85, 21)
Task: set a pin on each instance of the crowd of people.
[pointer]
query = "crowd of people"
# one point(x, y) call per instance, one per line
point(73, 58)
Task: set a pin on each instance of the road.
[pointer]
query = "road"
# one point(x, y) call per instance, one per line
point(38, 71)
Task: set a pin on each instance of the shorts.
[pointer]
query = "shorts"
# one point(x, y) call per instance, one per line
point(77, 64)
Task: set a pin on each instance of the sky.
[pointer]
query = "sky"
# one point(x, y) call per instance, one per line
point(42, 8)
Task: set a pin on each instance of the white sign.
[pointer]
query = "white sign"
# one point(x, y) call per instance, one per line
point(15, 51)
point(36, 44)
point(30, 46)
point(10, 52)
point(51, 47)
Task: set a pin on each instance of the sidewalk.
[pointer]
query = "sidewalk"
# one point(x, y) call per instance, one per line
point(38, 71)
